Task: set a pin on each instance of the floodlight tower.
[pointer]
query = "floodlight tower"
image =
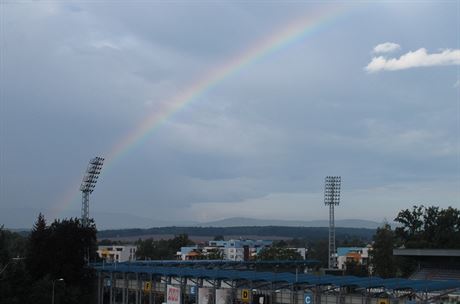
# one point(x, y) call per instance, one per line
point(87, 186)
point(332, 198)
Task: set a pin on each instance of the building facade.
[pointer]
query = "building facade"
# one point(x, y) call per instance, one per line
point(358, 255)
point(117, 253)
point(231, 250)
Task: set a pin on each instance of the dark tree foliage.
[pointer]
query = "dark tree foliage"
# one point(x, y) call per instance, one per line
point(278, 253)
point(215, 254)
point(355, 269)
point(179, 241)
point(429, 227)
point(58, 251)
point(406, 266)
point(298, 242)
point(69, 245)
point(13, 277)
point(382, 260)
point(37, 249)
point(145, 249)
point(319, 250)
point(351, 242)
point(109, 242)
point(12, 245)
point(280, 243)
point(4, 253)
point(150, 249)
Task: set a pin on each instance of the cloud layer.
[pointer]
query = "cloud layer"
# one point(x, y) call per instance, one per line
point(418, 58)
point(386, 47)
point(77, 79)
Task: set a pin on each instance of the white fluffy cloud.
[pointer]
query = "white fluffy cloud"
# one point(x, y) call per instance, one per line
point(418, 58)
point(386, 47)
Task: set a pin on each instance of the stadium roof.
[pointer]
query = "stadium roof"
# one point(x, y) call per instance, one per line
point(427, 252)
point(155, 268)
point(224, 263)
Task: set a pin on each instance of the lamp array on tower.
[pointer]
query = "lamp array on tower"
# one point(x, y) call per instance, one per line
point(88, 184)
point(332, 198)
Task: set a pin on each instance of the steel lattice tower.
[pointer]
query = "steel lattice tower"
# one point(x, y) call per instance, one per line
point(332, 198)
point(88, 184)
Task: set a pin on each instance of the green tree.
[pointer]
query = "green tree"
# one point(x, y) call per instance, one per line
point(37, 260)
point(4, 253)
point(61, 251)
point(69, 245)
point(381, 255)
point(319, 250)
point(352, 242)
point(280, 243)
point(179, 241)
point(428, 227)
point(447, 229)
point(354, 268)
point(52, 252)
point(145, 249)
point(278, 253)
point(214, 254)
point(150, 249)
point(14, 280)
point(297, 242)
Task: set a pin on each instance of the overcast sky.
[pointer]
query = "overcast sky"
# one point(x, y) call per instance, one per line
point(371, 94)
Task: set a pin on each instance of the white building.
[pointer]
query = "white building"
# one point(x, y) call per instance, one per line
point(117, 253)
point(240, 250)
point(189, 253)
point(359, 255)
point(233, 250)
point(302, 251)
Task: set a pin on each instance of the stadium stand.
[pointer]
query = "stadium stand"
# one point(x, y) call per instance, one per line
point(433, 264)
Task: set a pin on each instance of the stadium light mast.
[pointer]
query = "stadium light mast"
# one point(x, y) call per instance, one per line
point(332, 198)
point(87, 186)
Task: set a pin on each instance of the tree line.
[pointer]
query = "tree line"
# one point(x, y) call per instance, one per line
point(420, 227)
point(150, 249)
point(31, 265)
point(311, 233)
point(53, 255)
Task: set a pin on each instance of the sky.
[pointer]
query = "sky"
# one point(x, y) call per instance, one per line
point(206, 110)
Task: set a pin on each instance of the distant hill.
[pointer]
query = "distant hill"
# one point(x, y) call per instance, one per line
point(262, 232)
point(24, 218)
point(243, 221)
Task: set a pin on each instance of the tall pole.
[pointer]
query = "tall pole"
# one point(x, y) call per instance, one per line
point(332, 198)
point(54, 282)
point(88, 184)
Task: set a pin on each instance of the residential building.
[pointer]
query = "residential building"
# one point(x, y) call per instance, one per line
point(117, 253)
point(359, 255)
point(232, 250)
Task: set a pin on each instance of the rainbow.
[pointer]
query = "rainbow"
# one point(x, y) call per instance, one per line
point(295, 31)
